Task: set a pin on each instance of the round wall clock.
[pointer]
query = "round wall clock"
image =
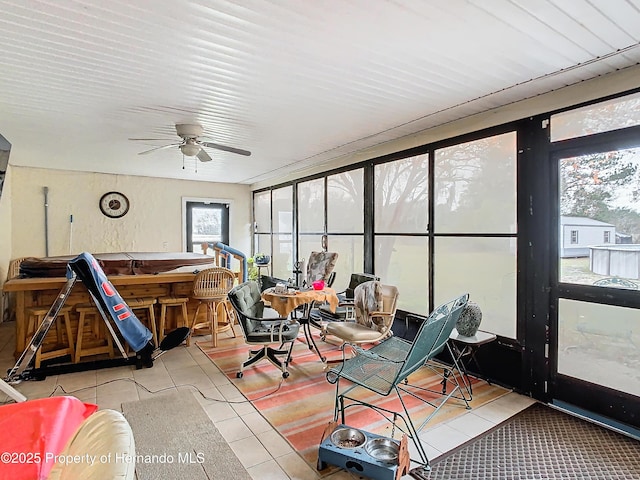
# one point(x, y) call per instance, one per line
point(114, 204)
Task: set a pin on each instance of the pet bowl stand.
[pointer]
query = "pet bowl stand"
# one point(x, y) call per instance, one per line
point(357, 459)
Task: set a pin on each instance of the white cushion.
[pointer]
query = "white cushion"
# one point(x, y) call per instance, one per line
point(102, 448)
point(352, 332)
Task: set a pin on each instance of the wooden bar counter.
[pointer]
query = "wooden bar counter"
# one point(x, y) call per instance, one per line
point(42, 292)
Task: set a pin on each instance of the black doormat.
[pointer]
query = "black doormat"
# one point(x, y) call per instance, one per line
point(541, 443)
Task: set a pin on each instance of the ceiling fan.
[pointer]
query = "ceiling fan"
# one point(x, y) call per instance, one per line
point(191, 145)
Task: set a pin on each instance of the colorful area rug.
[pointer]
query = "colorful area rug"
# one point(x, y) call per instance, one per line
point(303, 405)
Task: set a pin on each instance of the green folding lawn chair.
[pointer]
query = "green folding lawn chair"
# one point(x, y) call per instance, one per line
point(385, 368)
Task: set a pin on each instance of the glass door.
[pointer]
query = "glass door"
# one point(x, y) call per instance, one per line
point(595, 284)
point(206, 223)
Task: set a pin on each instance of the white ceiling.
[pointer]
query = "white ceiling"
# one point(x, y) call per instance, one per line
point(297, 82)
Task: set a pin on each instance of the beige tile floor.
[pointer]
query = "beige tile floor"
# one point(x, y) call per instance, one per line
point(265, 454)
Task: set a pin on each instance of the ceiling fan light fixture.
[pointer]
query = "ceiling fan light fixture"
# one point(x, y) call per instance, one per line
point(190, 149)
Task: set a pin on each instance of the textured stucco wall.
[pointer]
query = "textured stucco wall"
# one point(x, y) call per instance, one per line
point(5, 227)
point(153, 223)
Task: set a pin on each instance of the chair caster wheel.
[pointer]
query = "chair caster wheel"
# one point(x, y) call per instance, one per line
point(285, 374)
point(239, 375)
point(323, 359)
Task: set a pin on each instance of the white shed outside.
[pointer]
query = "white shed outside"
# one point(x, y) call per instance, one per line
point(577, 234)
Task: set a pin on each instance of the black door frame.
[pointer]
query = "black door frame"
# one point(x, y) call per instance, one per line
point(598, 399)
point(214, 205)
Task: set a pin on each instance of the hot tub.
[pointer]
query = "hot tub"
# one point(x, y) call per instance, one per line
point(124, 263)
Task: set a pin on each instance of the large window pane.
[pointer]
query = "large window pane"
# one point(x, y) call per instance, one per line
point(263, 244)
point(486, 269)
point(350, 249)
point(282, 258)
point(345, 202)
point(262, 211)
point(283, 210)
point(598, 343)
point(401, 189)
point(206, 224)
point(600, 219)
point(311, 206)
point(306, 245)
point(600, 117)
point(404, 262)
point(475, 186)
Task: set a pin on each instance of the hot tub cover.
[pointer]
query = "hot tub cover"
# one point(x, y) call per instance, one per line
point(115, 263)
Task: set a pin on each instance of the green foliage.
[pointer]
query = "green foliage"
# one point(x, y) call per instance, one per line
point(252, 271)
point(591, 183)
point(595, 186)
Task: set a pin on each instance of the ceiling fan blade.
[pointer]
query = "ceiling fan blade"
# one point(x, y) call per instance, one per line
point(203, 156)
point(217, 146)
point(160, 148)
point(151, 139)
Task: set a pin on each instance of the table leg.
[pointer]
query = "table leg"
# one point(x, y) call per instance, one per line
point(458, 355)
point(306, 327)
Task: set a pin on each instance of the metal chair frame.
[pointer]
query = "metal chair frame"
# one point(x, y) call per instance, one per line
point(385, 368)
point(381, 321)
point(345, 309)
point(272, 330)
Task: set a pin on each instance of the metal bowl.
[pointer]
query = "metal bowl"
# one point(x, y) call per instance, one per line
point(348, 438)
point(383, 449)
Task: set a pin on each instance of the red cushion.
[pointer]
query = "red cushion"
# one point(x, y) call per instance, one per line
point(33, 432)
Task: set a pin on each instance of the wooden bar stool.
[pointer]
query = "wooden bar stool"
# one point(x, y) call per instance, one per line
point(64, 338)
point(210, 288)
point(146, 304)
point(173, 301)
point(89, 316)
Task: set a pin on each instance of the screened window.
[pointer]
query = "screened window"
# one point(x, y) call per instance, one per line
point(601, 193)
point(207, 223)
point(602, 337)
point(401, 206)
point(282, 199)
point(262, 211)
point(262, 223)
point(401, 195)
point(311, 206)
point(403, 261)
point(345, 223)
point(600, 117)
point(282, 214)
point(262, 243)
point(350, 250)
point(485, 268)
point(345, 202)
point(475, 186)
point(475, 207)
